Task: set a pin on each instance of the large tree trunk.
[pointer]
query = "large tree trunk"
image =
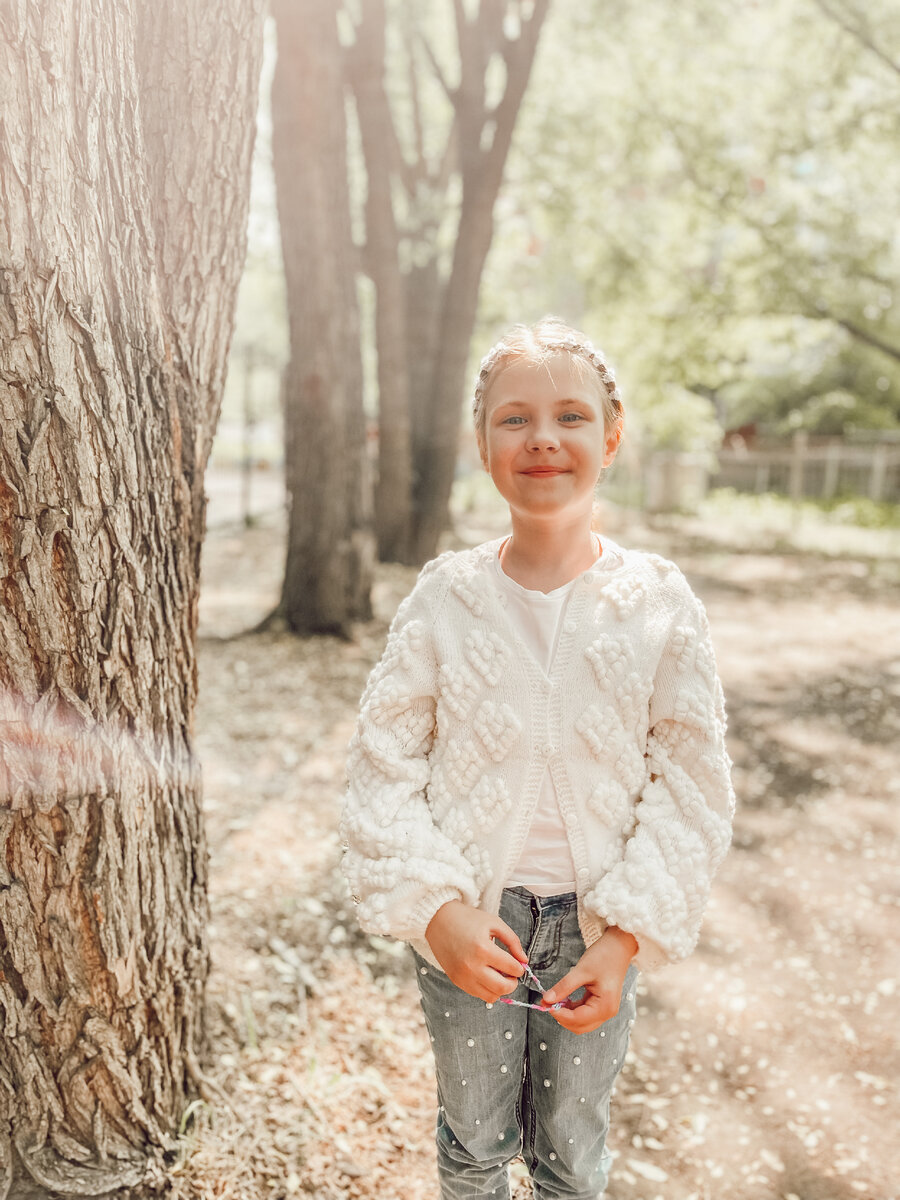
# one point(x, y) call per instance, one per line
point(330, 542)
point(125, 188)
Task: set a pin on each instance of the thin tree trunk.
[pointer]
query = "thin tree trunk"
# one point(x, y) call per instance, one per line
point(123, 234)
point(330, 542)
point(436, 319)
point(482, 174)
point(393, 484)
point(439, 448)
point(424, 301)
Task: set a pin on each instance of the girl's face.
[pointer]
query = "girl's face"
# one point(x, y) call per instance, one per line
point(545, 442)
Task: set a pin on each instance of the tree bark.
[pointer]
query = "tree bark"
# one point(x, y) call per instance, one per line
point(330, 541)
point(393, 485)
point(482, 169)
point(435, 315)
point(124, 189)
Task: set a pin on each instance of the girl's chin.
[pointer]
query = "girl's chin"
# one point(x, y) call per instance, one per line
point(548, 507)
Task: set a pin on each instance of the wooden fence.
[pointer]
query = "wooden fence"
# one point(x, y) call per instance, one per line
point(822, 470)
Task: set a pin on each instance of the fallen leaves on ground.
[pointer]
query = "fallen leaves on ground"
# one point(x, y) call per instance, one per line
point(763, 1068)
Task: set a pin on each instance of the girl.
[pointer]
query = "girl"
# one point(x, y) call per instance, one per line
point(539, 789)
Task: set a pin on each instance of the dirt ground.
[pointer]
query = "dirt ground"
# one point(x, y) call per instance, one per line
point(763, 1068)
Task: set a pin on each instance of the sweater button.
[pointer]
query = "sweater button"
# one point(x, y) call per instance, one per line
point(589, 577)
point(570, 626)
point(582, 872)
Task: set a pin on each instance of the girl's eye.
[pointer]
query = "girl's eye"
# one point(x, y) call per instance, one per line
point(516, 419)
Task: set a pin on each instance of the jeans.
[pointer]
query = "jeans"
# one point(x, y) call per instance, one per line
point(511, 1081)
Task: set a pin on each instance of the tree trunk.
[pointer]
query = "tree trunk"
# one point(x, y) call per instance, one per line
point(436, 316)
point(482, 169)
point(439, 449)
point(123, 233)
point(330, 542)
point(394, 481)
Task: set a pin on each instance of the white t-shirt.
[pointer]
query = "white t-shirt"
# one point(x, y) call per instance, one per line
point(545, 865)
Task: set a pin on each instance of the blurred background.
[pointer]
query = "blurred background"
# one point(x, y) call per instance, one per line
point(708, 190)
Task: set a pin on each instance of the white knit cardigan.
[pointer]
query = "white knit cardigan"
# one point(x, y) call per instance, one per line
point(458, 722)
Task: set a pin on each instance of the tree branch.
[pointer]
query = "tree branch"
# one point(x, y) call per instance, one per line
point(861, 335)
point(489, 27)
point(462, 24)
point(436, 68)
point(518, 55)
point(415, 98)
point(859, 33)
point(365, 75)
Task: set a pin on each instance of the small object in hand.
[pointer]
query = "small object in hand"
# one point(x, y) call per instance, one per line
point(537, 983)
point(539, 1007)
point(534, 979)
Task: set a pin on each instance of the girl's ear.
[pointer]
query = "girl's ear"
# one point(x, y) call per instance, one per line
point(613, 438)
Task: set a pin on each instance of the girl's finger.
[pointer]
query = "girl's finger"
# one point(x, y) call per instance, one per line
point(590, 1014)
point(566, 986)
point(503, 962)
point(497, 983)
point(569, 1022)
point(581, 1019)
point(501, 930)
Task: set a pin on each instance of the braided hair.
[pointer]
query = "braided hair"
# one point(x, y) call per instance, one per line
point(537, 343)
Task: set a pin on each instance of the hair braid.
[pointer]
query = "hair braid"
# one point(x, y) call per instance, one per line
point(537, 342)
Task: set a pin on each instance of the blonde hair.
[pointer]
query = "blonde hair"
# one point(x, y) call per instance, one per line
point(537, 343)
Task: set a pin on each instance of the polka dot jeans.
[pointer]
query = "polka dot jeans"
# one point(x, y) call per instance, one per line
point(511, 1081)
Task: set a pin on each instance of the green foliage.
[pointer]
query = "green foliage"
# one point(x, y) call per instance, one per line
point(776, 511)
point(711, 191)
point(823, 384)
point(860, 510)
point(670, 417)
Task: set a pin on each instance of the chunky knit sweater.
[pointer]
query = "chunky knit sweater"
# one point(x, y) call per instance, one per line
point(458, 722)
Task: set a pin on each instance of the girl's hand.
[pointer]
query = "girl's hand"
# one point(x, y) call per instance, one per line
point(461, 939)
point(601, 972)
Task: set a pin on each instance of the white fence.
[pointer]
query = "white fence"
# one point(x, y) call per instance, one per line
point(821, 470)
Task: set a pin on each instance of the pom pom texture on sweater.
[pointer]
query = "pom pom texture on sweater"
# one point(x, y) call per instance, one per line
point(458, 723)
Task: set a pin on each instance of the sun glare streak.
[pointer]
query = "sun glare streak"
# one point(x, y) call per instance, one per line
point(50, 751)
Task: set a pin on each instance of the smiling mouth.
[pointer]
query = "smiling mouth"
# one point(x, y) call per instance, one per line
point(544, 471)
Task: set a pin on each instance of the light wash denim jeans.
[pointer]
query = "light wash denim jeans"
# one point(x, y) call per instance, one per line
point(511, 1081)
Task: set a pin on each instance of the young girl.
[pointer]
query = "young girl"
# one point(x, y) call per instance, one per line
point(539, 789)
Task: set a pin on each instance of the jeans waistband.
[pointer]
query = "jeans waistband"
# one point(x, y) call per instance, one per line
point(545, 904)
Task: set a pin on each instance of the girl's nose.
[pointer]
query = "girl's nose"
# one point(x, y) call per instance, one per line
point(543, 438)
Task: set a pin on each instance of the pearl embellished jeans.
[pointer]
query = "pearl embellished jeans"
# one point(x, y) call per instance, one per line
point(511, 1081)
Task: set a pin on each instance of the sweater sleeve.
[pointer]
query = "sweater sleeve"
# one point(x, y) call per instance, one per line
point(399, 866)
point(659, 889)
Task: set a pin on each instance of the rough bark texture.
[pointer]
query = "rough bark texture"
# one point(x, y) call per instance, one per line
point(426, 315)
point(124, 184)
point(330, 541)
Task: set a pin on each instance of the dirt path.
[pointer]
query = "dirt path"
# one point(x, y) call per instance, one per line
point(764, 1068)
